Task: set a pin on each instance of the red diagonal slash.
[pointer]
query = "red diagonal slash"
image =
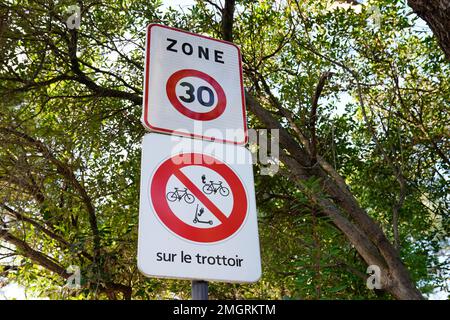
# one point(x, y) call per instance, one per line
point(200, 196)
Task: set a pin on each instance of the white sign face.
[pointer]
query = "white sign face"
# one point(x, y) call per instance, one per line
point(193, 86)
point(197, 215)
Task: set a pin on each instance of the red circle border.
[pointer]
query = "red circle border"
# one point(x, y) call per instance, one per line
point(202, 116)
point(170, 220)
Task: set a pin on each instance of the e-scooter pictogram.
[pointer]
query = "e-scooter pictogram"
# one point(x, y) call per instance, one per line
point(198, 213)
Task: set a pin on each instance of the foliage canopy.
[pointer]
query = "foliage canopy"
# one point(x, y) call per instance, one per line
point(70, 142)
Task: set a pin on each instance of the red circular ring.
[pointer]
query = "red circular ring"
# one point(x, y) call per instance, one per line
point(202, 116)
point(224, 230)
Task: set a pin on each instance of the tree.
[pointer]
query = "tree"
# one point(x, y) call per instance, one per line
point(437, 14)
point(364, 187)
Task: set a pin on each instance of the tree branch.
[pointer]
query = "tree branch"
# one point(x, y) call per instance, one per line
point(70, 177)
point(313, 115)
point(88, 82)
point(36, 256)
point(227, 20)
point(436, 13)
point(13, 213)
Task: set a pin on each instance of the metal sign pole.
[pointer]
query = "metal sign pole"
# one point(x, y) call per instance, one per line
point(199, 290)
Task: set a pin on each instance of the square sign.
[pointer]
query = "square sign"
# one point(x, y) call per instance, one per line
point(197, 216)
point(193, 86)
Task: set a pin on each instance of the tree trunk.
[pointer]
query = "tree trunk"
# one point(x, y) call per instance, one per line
point(361, 230)
point(436, 13)
point(343, 209)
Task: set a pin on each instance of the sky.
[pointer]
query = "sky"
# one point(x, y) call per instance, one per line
point(12, 291)
point(177, 3)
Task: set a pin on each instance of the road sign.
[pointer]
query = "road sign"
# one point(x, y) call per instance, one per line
point(193, 86)
point(197, 211)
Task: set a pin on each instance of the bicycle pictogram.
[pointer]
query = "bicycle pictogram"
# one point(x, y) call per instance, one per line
point(214, 187)
point(173, 196)
point(198, 213)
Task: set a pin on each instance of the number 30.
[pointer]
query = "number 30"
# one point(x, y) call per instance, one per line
point(191, 97)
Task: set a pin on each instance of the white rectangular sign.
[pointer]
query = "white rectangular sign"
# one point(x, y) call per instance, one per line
point(197, 215)
point(193, 86)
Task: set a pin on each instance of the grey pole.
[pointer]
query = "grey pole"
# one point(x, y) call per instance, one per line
point(199, 290)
